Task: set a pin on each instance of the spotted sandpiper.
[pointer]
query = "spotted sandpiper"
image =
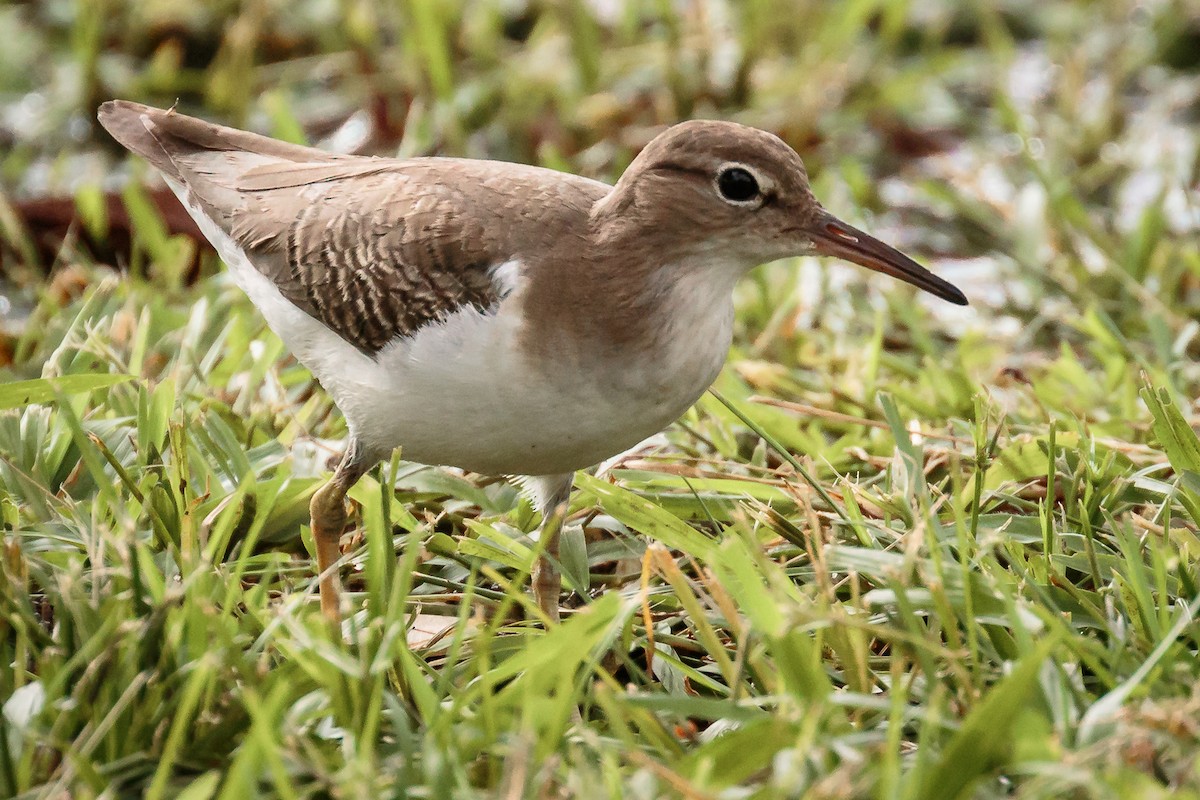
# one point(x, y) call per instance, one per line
point(502, 318)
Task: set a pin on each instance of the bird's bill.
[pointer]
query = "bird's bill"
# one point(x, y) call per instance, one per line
point(832, 237)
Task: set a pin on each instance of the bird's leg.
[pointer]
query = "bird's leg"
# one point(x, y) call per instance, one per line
point(328, 512)
point(546, 580)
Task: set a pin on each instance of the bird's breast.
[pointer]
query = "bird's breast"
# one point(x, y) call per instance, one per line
point(655, 350)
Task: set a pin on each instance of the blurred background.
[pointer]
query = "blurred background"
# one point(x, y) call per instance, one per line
point(1030, 150)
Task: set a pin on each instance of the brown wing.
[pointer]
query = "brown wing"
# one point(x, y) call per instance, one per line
point(375, 257)
point(373, 248)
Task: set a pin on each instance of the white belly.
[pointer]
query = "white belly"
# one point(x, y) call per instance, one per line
point(462, 392)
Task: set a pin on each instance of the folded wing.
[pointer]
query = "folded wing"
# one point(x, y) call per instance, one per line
point(375, 249)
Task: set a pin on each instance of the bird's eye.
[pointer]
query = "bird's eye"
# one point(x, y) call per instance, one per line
point(737, 185)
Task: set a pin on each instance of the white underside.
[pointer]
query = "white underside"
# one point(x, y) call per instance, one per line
point(462, 393)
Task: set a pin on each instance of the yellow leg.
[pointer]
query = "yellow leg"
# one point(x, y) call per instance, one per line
point(546, 580)
point(328, 512)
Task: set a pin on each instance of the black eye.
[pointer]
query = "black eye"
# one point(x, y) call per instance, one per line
point(737, 185)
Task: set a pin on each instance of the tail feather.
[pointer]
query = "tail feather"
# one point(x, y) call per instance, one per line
point(164, 137)
point(131, 124)
point(204, 164)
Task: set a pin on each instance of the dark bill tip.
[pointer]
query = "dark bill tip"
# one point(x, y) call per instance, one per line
point(833, 237)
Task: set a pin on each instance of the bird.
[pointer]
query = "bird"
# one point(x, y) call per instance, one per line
point(502, 318)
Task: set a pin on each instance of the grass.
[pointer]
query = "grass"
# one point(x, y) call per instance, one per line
point(902, 551)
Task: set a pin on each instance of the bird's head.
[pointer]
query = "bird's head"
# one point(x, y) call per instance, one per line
point(724, 190)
